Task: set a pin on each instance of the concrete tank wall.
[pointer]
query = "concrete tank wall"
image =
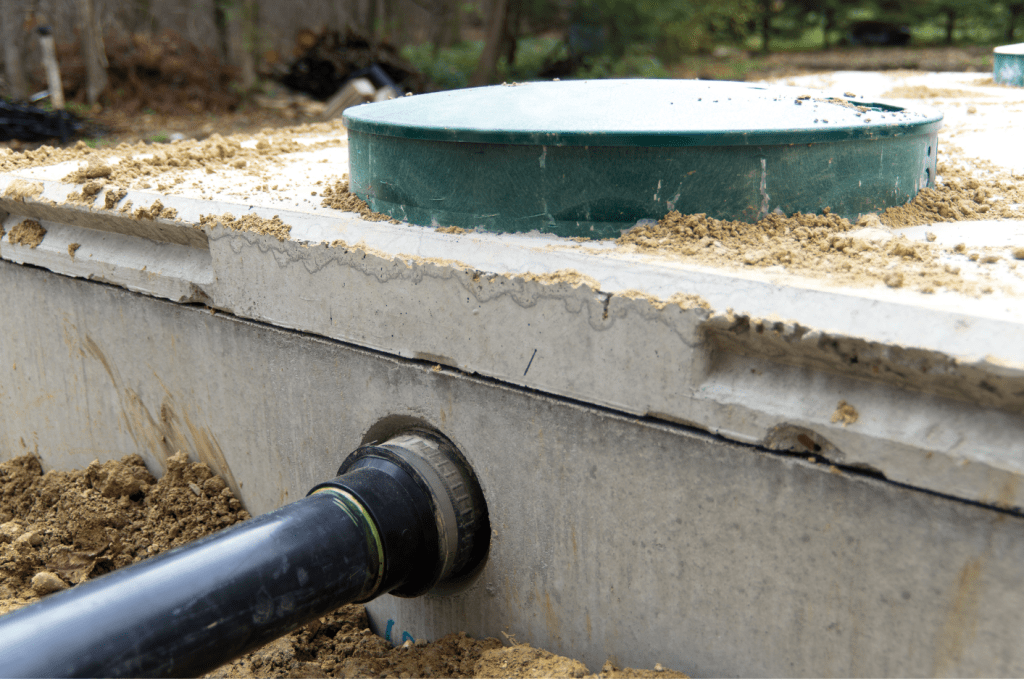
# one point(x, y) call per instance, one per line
point(614, 536)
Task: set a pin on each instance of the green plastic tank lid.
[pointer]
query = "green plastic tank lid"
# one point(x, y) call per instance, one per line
point(592, 158)
point(1008, 65)
point(635, 113)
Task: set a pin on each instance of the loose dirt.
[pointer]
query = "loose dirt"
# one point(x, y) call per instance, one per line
point(236, 164)
point(81, 524)
point(249, 223)
point(825, 246)
point(60, 528)
point(832, 248)
point(571, 277)
point(925, 92)
point(19, 190)
point(338, 197)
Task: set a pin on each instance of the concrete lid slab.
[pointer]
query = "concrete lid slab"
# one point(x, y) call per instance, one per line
point(759, 355)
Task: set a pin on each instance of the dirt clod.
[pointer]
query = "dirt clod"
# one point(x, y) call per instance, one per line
point(94, 169)
point(27, 233)
point(155, 211)
point(338, 197)
point(45, 582)
point(845, 414)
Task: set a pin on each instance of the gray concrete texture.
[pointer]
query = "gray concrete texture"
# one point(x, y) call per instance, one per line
point(936, 379)
point(613, 537)
point(611, 432)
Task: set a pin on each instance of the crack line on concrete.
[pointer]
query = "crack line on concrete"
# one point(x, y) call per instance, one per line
point(854, 472)
point(530, 363)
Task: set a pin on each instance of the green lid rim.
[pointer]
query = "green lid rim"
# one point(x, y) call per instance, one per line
point(666, 138)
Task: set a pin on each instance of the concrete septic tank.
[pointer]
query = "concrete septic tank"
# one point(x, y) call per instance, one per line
point(1008, 65)
point(592, 158)
point(725, 465)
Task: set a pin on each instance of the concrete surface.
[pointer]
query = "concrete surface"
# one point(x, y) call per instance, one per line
point(938, 380)
point(613, 537)
point(610, 431)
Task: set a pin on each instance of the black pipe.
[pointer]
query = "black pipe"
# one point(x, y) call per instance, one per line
point(378, 527)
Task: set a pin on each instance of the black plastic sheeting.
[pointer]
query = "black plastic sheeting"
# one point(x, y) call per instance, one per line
point(31, 124)
point(336, 58)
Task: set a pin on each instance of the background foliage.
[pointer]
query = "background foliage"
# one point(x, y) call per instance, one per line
point(533, 38)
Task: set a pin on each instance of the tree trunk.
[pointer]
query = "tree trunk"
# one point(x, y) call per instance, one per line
point(828, 23)
point(372, 24)
point(93, 51)
point(49, 50)
point(766, 26)
point(510, 34)
point(495, 32)
point(241, 29)
point(445, 30)
point(1016, 11)
point(13, 38)
point(220, 24)
point(950, 25)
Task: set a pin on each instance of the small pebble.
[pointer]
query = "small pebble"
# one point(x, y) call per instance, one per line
point(658, 667)
point(214, 485)
point(31, 537)
point(10, 530)
point(47, 583)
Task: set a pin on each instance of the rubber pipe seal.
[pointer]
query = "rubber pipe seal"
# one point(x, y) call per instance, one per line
point(427, 470)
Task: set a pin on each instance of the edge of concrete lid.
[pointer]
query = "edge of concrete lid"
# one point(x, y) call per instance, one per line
point(637, 113)
point(1015, 49)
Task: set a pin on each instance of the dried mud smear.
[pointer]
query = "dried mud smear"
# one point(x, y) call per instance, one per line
point(925, 92)
point(686, 301)
point(27, 233)
point(573, 278)
point(249, 223)
point(19, 190)
point(60, 528)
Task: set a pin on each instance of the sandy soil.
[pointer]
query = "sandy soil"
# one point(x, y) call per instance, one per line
point(865, 253)
point(823, 246)
point(61, 528)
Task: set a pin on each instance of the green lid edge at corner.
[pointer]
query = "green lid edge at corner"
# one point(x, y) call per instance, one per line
point(385, 119)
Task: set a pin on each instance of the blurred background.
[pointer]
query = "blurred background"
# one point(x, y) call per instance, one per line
point(220, 57)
